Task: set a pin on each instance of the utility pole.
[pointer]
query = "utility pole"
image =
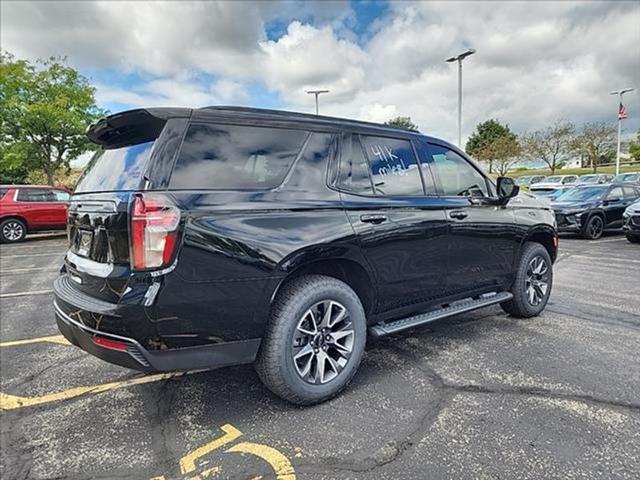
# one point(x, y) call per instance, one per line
point(316, 93)
point(459, 59)
point(620, 118)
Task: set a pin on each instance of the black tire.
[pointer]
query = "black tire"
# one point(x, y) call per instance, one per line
point(521, 305)
point(633, 238)
point(275, 364)
point(593, 228)
point(12, 230)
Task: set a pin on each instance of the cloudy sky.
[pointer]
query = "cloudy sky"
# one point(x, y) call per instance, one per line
point(537, 62)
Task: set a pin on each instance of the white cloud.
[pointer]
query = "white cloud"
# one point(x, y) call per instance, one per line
point(175, 91)
point(536, 61)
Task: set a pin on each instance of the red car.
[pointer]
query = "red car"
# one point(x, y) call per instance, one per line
point(31, 208)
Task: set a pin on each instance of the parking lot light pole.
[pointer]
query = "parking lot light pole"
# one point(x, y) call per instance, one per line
point(620, 118)
point(459, 59)
point(316, 93)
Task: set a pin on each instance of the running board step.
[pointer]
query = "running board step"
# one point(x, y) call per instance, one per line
point(454, 308)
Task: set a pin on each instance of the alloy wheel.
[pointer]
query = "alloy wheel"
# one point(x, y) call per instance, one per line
point(323, 342)
point(12, 231)
point(595, 227)
point(537, 280)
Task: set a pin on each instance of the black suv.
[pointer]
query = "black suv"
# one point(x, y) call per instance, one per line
point(590, 210)
point(222, 236)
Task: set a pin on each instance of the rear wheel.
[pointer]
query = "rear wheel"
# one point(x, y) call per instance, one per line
point(315, 340)
point(12, 230)
point(594, 228)
point(532, 286)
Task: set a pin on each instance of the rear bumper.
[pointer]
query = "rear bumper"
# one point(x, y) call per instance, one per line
point(133, 355)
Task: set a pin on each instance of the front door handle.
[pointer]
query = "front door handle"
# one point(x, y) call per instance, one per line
point(458, 214)
point(373, 218)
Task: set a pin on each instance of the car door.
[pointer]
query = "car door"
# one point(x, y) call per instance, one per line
point(35, 206)
point(402, 230)
point(483, 239)
point(59, 206)
point(614, 205)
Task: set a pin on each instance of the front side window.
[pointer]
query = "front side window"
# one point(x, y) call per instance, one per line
point(457, 176)
point(35, 195)
point(61, 196)
point(235, 157)
point(394, 168)
point(615, 193)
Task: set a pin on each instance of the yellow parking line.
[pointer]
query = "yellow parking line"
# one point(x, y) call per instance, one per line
point(188, 462)
point(12, 402)
point(59, 339)
point(281, 465)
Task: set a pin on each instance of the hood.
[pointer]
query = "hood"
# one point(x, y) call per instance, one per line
point(526, 200)
point(571, 205)
point(538, 185)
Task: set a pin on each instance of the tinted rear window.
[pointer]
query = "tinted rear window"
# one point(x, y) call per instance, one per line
point(235, 157)
point(115, 169)
point(35, 195)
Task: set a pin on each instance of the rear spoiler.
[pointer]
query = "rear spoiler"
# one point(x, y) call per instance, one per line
point(132, 127)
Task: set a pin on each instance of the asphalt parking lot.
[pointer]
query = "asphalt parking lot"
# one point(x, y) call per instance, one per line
point(478, 396)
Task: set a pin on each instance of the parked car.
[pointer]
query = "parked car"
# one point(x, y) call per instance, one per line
point(31, 208)
point(225, 235)
point(528, 180)
point(589, 210)
point(549, 192)
point(629, 177)
point(631, 225)
point(594, 178)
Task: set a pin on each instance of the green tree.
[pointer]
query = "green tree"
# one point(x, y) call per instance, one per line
point(634, 148)
point(554, 145)
point(402, 122)
point(495, 144)
point(46, 109)
point(594, 142)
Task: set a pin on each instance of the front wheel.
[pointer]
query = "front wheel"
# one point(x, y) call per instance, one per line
point(594, 228)
point(532, 286)
point(12, 230)
point(314, 342)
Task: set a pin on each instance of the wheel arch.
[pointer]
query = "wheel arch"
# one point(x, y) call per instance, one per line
point(547, 237)
point(16, 217)
point(346, 270)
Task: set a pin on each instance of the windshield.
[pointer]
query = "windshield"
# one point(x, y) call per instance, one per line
point(553, 179)
point(581, 194)
point(116, 169)
point(522, 180)
point(589, 178)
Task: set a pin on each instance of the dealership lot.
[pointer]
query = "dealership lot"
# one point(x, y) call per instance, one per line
point(478, 396)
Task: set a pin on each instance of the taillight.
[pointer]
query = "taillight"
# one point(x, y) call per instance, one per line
point(110, 344)
point(154, 231)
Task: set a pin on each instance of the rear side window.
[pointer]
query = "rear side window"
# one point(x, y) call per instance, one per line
point(457, 176)
point(115, 169)
point(3, 192)
point(353, 176)
point(35, 195)
point(394, 168)
point(235, 157)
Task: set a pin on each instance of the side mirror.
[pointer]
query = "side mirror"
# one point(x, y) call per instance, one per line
point(507, 189)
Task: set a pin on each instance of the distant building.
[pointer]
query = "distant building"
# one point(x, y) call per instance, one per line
point(573, 163)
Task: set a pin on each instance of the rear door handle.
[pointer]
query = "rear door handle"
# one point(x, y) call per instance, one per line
point(373, 218)
point(459, 214)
